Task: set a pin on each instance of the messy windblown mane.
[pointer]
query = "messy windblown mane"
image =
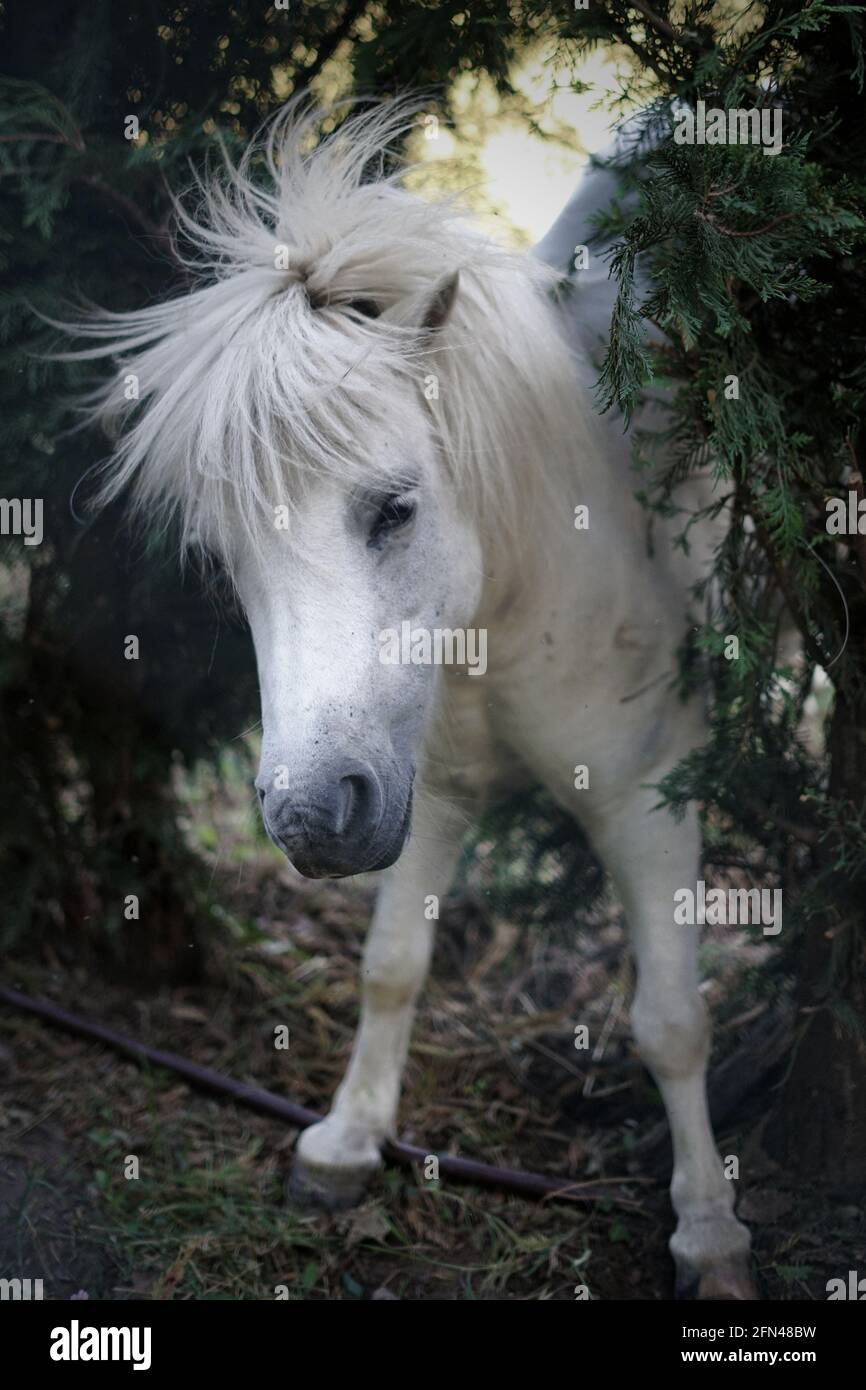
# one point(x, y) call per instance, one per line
point(270, 369)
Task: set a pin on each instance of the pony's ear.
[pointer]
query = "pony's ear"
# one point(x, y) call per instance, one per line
point(426, 312)
point(440, 303)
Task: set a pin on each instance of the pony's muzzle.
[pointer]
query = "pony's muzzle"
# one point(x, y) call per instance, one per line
point(336, 828)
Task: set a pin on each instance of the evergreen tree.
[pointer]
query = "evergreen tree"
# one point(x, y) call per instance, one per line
point(755, 311)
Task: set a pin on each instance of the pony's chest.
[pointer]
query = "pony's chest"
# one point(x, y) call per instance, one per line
point(466, 756)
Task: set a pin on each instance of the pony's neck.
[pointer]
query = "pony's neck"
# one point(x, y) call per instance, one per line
point(519, 430)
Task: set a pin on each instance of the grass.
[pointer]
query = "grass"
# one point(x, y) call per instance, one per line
point(493, 1074)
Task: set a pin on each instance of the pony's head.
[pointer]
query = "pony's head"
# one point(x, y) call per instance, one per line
point(342, 726)
point(334, 412)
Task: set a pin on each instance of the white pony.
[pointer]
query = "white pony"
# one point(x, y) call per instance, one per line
point(376, 418)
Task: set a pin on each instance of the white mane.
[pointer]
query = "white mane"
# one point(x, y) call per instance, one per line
point(259, 377)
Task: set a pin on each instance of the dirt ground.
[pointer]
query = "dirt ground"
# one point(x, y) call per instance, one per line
point(494, 1074)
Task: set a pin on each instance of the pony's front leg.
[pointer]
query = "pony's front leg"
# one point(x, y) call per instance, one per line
point(336, 1157)
point(650, 857)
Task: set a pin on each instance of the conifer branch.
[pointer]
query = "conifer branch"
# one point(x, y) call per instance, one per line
point(759, 231)
point(156, 231)
point(662, 26)
point(328, 47)
point(77, 145)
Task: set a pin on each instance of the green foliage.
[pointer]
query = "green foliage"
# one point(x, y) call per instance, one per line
point(531, 862)
point(89, 741)
point(749, 315)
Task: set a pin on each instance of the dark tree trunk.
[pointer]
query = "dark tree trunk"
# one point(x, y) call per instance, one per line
point(819, 1129)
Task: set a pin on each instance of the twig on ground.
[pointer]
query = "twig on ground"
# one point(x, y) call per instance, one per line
point(533, 1185)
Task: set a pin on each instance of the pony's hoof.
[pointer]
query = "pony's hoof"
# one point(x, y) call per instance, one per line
point(730, 1281)
point(329, 1189)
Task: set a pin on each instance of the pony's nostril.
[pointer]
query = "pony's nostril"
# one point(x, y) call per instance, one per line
point(351, 800)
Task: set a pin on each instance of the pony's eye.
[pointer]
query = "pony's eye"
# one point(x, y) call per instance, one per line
point(367, 308)
point(391, 514)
